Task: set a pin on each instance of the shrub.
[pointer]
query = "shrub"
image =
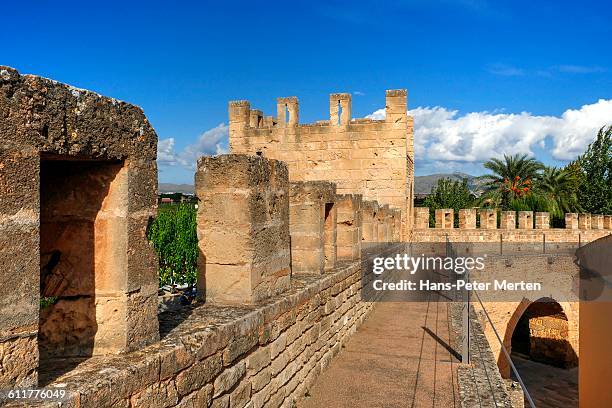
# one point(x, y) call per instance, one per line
point(173, 234)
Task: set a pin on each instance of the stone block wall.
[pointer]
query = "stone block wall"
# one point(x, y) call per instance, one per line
point(508, 220)
point(369, 221)
point(373, 158)
point(78, 179)
point(215, 355)
point(579, 227)
point(571, 221)
point(243, 228)
point(312, 214)
point(349, 227)
point(542, 220)
point(488, 219)
point(525, 219)
point(584, 221)
point(445, 218)
point(467, 218)
point(421, 218)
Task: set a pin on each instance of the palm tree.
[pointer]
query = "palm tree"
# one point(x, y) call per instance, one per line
point(559, 187)
point(512, 179)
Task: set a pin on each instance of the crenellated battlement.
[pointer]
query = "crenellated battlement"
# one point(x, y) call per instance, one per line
point(364, 156)
point(492, 225)
point(340, 111)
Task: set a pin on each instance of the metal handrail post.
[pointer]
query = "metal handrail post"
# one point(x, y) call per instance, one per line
point(514, 370)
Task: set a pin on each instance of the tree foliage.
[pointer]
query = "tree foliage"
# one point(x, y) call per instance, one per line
point(595, 174)
point(557, 190)
point(174, 237)
point(511, 180)
point(449, 194)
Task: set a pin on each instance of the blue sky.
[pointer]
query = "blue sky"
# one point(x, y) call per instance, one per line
point(507, 75)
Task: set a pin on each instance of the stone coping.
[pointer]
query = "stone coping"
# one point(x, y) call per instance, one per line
point(188, 335)
point(480, 383)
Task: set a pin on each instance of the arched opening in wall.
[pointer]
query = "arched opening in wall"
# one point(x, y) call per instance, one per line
point(339, 113)
point(543, 355)
point(287, 113)
point(83, 250)
point(542, 335)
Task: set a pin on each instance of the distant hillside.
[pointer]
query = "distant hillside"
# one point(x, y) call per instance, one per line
point(423, 184)
point(175, 188)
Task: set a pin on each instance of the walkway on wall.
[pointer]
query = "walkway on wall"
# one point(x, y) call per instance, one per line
point(399, 357)
point(550, 387)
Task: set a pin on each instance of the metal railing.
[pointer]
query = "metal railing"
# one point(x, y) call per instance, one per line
point(466, 329)
point(506, 354)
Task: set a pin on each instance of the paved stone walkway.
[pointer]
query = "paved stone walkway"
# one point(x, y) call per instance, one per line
point(399, 357)
point(550, 387)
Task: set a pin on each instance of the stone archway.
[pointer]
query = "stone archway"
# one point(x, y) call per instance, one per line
point(506, 317)
point(542, 334)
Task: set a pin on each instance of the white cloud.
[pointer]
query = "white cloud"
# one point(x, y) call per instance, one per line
point(213, 141)
point(445, 140)
point(165, 152)
point(442, 135)
point(580, 69)
point(505, 70)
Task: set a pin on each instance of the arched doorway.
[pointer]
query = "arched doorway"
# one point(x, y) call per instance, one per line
point(539, 343)
point(541, 334)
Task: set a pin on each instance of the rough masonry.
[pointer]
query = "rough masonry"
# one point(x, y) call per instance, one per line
point(373, 158)
point(79, 179)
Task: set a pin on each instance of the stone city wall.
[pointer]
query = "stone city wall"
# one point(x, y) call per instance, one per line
point(557, 274)
point(78, 182)
point(508, 227)
point(373, 158)
point(263, 335)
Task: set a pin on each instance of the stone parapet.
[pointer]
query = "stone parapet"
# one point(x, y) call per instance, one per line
point(348, 241)
point(488, 219)
point(571, 221)
point(584, 221)
point(525, 220)
point(78, 187)
point(222, 355)
point(312, 225)
point(421, 217)
point(542, 220)
point(445, 218)
point(508, 220)
point(597, 221)
point(467, 218)
point(243, 228)
point(373, 158)
point(369, 221)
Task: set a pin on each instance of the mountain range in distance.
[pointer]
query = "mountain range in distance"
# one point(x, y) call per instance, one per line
point(422, 184)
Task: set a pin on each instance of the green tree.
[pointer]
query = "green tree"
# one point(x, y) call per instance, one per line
point(595, 192)
point(511, 179)
point(449, 194)
point(174, 237)
point(558, 190)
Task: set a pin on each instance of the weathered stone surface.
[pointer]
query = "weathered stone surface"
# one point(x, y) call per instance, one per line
point(361, 156)
point(197, 375)
point(74, 167)
point(312, 215)
point(542, 220)
point(243, 228)
point(467, 218)
point(348, 224)
point(445, 218)
point(228, 378)
point(488, 219)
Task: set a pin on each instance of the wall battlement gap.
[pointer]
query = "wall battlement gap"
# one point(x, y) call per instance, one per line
point(374, 158)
